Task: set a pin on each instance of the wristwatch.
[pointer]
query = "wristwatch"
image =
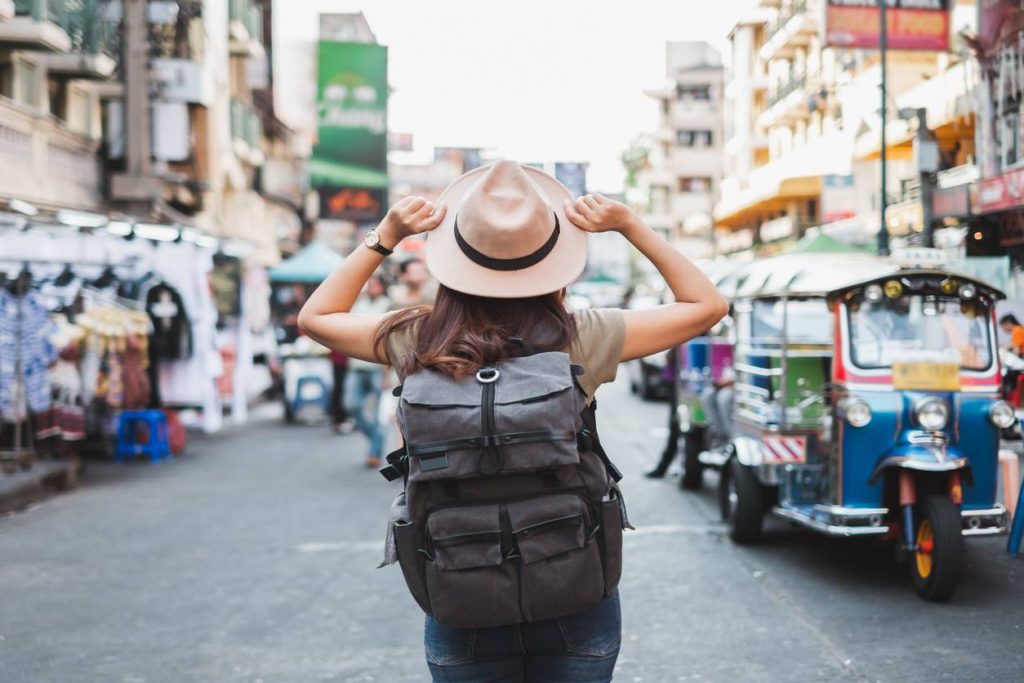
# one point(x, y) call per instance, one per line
point(372, 241)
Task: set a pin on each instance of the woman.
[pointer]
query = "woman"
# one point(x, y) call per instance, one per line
point(504, 242)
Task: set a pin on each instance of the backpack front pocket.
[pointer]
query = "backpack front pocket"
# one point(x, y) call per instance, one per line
point(469, 581)
point(560, 567)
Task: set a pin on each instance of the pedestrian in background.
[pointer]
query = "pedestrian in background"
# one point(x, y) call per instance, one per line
point(1011, 326)
point(339, 413)
point(413, 286)
point(508, 241)
point(365, 380)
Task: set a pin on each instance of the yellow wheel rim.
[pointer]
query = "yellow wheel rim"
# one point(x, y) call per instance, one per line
point(925, 545)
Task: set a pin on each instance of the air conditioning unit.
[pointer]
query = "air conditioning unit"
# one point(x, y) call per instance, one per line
point(181, 80)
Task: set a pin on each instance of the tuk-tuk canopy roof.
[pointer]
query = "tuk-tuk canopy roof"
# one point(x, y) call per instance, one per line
point(983, 287)
point(804, 274)
point(310, 265)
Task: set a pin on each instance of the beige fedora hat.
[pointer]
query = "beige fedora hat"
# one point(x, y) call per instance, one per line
point(505, 234)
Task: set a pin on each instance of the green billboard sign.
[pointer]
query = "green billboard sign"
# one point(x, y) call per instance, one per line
point(349, 167)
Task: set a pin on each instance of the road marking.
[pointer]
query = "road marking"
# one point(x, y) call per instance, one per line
point(339, 546)
point(675, 529)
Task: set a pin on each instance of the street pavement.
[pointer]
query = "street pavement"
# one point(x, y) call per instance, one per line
point(253, 557)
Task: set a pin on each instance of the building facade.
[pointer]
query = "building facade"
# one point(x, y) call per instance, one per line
point(680, 179)
point(803, 130)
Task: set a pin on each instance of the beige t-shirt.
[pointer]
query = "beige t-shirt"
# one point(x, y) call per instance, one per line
point(600, 334)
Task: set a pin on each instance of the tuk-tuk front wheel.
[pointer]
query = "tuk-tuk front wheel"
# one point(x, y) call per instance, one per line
point(693, 469)
point(742, 499)
point(935, 564)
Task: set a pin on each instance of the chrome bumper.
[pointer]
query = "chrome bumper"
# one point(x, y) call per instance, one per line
point(835, 520)
point(990, 522)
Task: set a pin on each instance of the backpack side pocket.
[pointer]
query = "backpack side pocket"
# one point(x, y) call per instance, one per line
point(611, 546)
point(408, 541)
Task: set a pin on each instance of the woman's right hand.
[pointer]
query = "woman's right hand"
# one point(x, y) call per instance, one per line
point(597, 213)
point(411, 216)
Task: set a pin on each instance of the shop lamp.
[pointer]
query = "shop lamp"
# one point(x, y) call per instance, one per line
point(873, 293)
point(968, 291)
point(82, 219)
point(119, 228)
point(154, 231)
point(948, 286)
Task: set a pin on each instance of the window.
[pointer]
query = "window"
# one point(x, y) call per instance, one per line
point(695, 184)
point(687, 93)
point(1010, 138)
point(694, 138)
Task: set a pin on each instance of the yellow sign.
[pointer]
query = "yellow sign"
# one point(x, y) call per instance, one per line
point(924, 376)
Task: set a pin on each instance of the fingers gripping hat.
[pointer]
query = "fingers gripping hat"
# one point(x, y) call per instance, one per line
point(505, 234)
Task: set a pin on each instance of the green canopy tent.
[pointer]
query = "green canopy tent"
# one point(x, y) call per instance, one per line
point(310, 265)
point(824, 244)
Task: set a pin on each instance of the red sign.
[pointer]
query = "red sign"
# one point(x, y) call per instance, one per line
point(999, 192)
point(910, 24)
point(951, 202)
point(352, 203)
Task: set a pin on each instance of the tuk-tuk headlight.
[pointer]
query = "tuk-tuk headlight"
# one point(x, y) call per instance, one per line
point(855, 411)
point(932, 413)
point(1002, 415)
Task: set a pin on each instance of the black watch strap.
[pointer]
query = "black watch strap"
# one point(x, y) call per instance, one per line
point(381, 249)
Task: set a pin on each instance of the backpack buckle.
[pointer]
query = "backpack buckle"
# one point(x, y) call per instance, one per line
point(487, 375)
point(584, 441)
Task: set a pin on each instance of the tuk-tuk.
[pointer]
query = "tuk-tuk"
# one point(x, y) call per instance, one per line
point(867, 404)
point(704, 373)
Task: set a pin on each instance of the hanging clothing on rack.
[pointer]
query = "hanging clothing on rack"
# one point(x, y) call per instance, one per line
point(25, 353)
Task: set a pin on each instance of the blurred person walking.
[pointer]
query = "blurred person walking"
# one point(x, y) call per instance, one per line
point(413, 286)
point(365, 380)
point(505, 242)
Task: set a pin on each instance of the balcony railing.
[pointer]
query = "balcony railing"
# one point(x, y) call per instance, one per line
point(82, 20)
point(796, 80)
point(246, 124)
point(785, 14)
point(247, 13)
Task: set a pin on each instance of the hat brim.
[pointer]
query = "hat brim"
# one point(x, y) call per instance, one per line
point(453, 269)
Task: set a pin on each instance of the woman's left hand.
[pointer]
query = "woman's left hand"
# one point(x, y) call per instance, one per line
point(597, 213)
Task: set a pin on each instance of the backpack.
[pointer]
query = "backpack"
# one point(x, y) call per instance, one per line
point(511, 510)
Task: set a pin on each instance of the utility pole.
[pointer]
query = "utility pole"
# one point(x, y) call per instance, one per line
point(883, 228)
point(135, 185)
point(926, 159)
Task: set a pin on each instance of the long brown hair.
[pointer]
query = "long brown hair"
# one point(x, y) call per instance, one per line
point(461, 333)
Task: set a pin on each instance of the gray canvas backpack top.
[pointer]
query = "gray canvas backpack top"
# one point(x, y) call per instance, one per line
point(511, 510)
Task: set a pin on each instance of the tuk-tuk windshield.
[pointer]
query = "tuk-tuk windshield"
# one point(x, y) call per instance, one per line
point(918, 328)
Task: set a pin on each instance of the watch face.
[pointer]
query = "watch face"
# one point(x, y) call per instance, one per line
point(372, 239)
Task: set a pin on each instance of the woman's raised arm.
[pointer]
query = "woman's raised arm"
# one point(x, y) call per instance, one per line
point(698, 305)
point(326, 316)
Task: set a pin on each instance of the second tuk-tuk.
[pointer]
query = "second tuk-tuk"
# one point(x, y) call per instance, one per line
point(867, 404)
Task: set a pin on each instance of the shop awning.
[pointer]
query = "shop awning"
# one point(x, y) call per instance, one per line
point(771, 198)
point(312, 264)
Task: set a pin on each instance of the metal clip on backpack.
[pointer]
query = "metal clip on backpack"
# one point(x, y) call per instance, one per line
point(511, 510)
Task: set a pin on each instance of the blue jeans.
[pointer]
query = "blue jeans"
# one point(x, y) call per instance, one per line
point(362, 394)
point(581, 648)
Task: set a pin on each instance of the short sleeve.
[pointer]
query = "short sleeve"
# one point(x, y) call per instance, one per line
point(600, 335)
point(399, 344)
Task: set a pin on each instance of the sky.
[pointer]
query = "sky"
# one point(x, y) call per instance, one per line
point(558, 80)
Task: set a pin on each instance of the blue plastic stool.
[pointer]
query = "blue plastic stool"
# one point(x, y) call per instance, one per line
point(128, 423)
point(321, 398)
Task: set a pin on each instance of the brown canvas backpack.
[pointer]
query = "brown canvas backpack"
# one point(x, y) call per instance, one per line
point(511, 510)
